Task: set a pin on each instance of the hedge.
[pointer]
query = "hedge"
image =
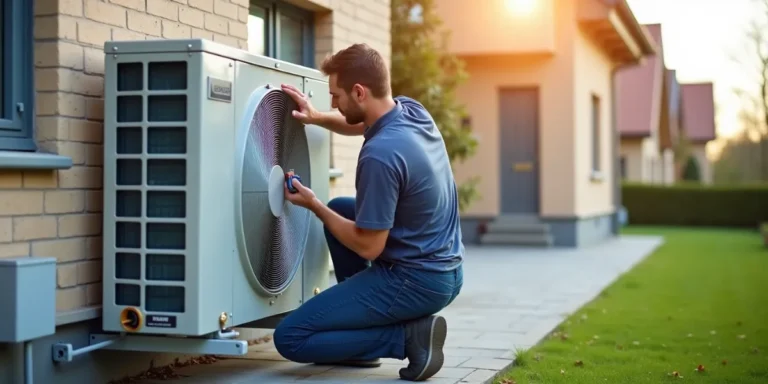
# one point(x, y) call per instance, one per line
point(696, 205)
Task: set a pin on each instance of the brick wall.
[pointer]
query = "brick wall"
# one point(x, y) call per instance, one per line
point(58, 213)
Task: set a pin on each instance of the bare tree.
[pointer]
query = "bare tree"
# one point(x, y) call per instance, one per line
point(754, 109)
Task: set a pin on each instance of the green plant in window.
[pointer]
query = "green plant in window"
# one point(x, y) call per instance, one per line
point(423, 69)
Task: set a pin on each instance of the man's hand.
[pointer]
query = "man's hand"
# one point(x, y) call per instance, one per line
point(304, 197)
point(307, 114)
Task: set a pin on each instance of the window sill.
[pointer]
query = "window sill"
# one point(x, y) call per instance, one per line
point(596, 177)
point(335, 173)
point(33, 161)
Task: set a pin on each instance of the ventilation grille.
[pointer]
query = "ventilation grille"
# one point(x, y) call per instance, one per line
point(275, 246)
point(151, 182)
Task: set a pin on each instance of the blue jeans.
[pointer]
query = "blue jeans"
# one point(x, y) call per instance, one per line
point(363, 317)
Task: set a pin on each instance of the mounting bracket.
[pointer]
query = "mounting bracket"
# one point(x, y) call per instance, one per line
point(221, 344)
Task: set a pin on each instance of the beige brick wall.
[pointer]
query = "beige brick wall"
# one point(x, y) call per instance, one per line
point(58, 213)
point(345, 23)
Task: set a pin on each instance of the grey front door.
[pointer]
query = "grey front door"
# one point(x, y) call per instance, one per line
point(519, 124)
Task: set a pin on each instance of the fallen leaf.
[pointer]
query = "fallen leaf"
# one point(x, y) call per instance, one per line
point(578, 363)
point(562, 371)
point(676, 374)
point(742, 337)
point(508, 381)
point(636, 342)
point(700, 368)
point(564, 336)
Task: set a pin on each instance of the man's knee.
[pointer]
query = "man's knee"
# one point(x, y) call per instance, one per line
point(344, 206)
point(288, 343)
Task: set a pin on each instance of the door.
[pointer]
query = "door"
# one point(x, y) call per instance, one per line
point(519, 141)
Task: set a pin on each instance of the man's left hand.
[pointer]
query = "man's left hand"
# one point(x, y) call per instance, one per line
point(304, 197)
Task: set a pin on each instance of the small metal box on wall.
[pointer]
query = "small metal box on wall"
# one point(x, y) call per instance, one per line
point(28, 298)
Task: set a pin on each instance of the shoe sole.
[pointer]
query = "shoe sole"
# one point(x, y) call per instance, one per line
point(435, 358)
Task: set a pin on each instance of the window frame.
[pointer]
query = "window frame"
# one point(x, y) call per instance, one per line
point(596, 133)
point(276, 8)
point(18, 113)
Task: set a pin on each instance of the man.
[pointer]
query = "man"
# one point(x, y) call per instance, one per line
point(396, 247)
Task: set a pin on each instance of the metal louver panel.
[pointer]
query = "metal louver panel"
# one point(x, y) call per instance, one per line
point(272, 246)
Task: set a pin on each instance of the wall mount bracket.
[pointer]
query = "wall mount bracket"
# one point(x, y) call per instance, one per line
point(220, 344)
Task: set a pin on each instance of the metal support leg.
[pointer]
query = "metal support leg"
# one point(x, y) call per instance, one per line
point(221, 345)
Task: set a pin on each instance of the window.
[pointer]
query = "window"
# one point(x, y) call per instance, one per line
point(282, 31)
point(596, 139)
point(16, 71)
point(623, 167)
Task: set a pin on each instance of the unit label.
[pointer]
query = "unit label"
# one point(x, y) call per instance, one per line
point(158, 321)
point(220, 90)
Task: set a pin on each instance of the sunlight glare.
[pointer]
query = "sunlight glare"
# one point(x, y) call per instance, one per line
point(524, 7)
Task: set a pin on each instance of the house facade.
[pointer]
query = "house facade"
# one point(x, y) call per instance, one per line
point(540, 99)
point(699, 129)
point(51, 134)
point(648, 104)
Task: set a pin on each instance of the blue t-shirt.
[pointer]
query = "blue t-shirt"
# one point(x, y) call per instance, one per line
point(405, 184)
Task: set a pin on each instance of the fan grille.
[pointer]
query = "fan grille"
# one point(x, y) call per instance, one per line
point(275, 245)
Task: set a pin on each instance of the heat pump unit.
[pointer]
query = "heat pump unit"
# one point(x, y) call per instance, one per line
point(197, 236)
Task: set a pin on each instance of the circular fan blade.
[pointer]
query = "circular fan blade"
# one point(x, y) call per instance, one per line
point(274, 245)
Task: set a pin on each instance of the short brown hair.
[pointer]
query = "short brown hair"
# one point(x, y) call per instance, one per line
point(359, 64)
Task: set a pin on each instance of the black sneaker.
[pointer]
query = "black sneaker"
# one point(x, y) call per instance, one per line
point(424, 341)
point(356, 363)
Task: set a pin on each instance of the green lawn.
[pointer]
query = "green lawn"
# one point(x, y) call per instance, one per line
point(700, 299)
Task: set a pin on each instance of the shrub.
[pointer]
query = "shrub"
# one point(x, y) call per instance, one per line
point(696, 205)
point(691, 170)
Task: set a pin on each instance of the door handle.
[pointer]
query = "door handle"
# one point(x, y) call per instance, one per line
point(523, 166)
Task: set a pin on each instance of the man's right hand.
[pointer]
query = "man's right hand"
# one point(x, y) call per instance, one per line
point(306, 113)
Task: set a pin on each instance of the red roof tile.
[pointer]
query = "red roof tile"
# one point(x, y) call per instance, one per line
point(638, 96)
point(698, 111)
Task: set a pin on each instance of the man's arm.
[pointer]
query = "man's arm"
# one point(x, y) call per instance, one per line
point(334, 121)
point(375, 208)
point(367, 243)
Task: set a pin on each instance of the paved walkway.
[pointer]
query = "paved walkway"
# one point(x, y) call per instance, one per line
point(512, 298)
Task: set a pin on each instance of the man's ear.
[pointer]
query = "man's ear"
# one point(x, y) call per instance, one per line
point(358, 92)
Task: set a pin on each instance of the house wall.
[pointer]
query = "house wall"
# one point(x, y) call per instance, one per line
point(553, 75)
point(506, 27)
point(640, 155)
point(593, 71)
point(58, 213)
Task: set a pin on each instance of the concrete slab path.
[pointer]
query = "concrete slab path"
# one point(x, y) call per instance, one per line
point(512, 298)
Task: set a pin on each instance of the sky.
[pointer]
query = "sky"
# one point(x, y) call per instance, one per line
point(701, 39)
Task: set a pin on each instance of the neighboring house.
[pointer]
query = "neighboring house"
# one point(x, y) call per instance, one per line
point(646, 96)
point(540, 100)
point(699, 127)
point(51, 133)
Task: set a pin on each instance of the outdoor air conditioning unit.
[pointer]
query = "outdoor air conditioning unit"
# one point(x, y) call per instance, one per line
point(197, 235)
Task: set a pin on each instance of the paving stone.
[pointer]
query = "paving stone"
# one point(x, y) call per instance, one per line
point(479, 376)
point(486, 363)
point(512, 298)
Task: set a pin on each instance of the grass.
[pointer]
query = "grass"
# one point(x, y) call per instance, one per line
point(700, 299)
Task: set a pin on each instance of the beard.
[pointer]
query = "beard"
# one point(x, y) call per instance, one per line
point(353, 115)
